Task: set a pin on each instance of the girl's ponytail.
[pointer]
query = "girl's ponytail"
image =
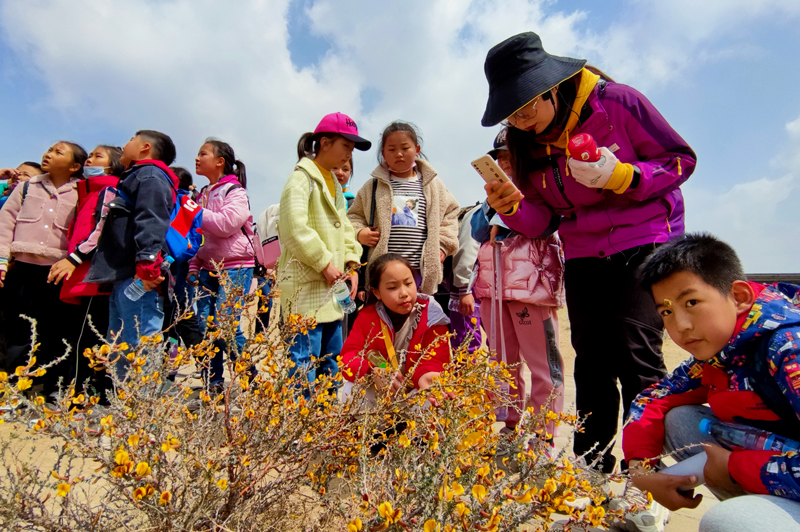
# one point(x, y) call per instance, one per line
point(305, 146)
point(240, 172)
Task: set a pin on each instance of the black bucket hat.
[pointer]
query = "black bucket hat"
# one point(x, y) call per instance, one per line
point(518, 70)
point(500, 143)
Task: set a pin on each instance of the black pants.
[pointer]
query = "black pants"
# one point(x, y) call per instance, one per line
point(96, 310)
point(617, 336)
point(28, 293)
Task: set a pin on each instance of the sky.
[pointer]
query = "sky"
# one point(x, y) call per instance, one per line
point(259, 73)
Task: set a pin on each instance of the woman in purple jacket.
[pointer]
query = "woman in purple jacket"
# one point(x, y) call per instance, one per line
point(610, 214)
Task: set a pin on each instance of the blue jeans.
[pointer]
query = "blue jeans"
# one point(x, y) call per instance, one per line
point(208, 305)
point(143, 317)
point(324, 344)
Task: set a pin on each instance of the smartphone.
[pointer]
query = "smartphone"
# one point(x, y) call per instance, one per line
point(490, 171)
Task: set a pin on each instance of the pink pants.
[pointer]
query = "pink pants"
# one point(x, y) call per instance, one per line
point(531, 336)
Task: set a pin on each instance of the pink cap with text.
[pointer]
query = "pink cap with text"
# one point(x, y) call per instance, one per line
point(345, 126)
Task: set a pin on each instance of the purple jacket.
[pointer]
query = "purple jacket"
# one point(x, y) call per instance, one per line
point(598, 222)
point(227, 227)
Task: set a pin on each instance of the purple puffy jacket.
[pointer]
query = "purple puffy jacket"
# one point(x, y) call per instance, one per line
point(599, 222)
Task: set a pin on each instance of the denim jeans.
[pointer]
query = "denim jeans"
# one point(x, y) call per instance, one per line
point(143, 317)
point(324, 344)
point(209, 305)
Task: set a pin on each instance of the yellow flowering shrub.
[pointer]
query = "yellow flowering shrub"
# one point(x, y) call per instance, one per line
point(275, 452)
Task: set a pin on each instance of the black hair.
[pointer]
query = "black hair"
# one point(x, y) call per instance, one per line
point(114, 153)
point(376, 268)
point(233, 166)
point(32, 164)
point(309, 143)
point(403, 127)
point(184, 177)
point(162, 146)
point(702, 254)
point(79, 156)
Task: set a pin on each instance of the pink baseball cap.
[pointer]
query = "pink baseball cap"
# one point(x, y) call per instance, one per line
point(344, 126)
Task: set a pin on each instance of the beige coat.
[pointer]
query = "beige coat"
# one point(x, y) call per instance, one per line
point(442, 220)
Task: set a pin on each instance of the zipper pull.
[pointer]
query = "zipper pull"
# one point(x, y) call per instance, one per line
point(544, 179)
point(679, 166)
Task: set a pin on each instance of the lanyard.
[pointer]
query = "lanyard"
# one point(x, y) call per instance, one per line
point(387, 340)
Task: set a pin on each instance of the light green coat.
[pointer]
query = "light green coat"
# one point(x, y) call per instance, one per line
point(313, 229)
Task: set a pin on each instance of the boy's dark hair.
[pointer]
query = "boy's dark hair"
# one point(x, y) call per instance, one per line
point(702, 254)
point(114, 153)
point(308, 145)
point(232, 165)
point(163, 147)
point(31, 164)
point(79, 156)
point(403, 127)
point(184, 177)
point(377, 266)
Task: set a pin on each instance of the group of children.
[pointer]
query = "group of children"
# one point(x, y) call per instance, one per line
point(86, 235)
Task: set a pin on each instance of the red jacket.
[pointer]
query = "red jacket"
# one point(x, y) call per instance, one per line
point(366, 336)
point(83, 236)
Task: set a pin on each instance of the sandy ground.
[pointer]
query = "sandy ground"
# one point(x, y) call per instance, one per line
point(683, 520)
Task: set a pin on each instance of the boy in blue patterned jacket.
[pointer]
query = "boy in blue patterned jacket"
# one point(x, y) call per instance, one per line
point(733, 328)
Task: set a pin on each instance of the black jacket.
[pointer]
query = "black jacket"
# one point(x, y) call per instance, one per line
point(135, 230)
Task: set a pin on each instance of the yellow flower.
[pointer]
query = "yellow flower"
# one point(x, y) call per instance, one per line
point(166, 496)
point(24, 383)
point(121, 457)
point(431, 526)
point(458, 489)
point(483, 470)
point(63, 489)
point(404, 441)
point(3, 376)
point(171, 443)
point(525, 497)
point(355, 525)
point(461, 509)
point(385, 510)
point(249, 413)
point(479, 492)
point(39, 425)
point(139, 493)
point(133, 440)
point(222, 484)
point(106, 421)
point(142, 469)
point(78, 400)
point(550, 485)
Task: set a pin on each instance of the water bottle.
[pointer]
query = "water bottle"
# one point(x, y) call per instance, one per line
point(341, 293)
point(501, 412)
point(733, 435)
point(135, 290)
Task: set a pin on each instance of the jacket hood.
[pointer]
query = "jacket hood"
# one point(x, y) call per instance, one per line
point(163, 167)
point(586, 85)
point(778, 305)
point(436, 315)
point(424, 168)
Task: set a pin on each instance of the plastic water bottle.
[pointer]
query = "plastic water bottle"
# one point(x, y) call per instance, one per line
point(501, 412)
point(733, 435)
point(341, 293)
point(135, 290)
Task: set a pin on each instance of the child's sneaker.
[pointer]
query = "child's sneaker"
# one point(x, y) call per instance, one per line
point(652, 517)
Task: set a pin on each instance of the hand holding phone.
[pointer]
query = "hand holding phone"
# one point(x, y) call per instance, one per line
point(502, 195)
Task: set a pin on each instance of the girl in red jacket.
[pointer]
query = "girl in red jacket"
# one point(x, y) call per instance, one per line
point(414, 341)
point(102, 169)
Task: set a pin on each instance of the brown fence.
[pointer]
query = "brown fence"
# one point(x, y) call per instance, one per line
point(769, 278)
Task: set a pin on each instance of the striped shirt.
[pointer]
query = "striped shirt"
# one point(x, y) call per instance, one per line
point(409, 219)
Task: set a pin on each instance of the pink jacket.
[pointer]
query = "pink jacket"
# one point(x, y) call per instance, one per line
point(533, 271)
point(35, 230)
point(227, 227)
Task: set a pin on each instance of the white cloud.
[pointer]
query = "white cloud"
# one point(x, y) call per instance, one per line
point(198, 68)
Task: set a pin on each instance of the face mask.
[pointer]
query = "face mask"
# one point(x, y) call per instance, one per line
point(94, 171)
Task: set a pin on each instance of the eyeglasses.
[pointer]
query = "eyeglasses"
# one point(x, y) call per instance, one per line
point(521, 114)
